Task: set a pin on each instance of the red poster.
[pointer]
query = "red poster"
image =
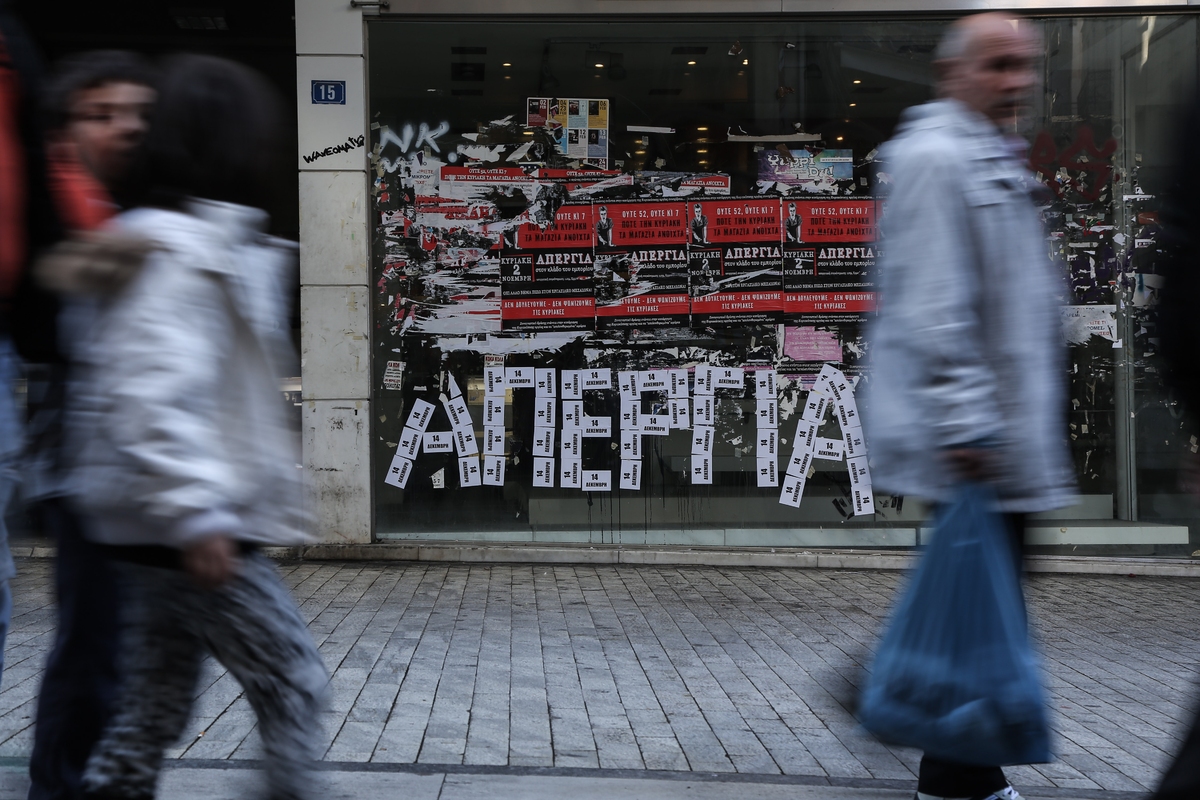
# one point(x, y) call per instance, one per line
point(833, 220)
point(547, 279)
point(641, 263)
point(735, 262)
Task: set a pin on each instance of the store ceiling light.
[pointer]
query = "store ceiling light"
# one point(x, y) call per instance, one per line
point(745, 62)
point(702, 128)
point(691, 63)
point(431, 90)
point(839, 138)
point(506, 64)
point(598, 66)
point(858, 81)
point(852, 105)
point(702, 151)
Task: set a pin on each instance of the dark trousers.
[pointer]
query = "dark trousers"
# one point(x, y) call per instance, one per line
point(942, 778)
point(80, 683)
point(1182, 779)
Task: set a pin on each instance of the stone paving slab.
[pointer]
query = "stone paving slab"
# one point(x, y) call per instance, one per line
point(734, 671)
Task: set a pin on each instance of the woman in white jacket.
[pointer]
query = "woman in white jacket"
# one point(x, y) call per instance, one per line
point(183, 464)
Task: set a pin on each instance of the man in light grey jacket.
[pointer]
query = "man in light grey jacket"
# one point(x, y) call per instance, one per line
point(968, 359)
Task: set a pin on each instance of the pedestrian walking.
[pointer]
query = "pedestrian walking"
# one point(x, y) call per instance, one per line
point(967, 354)
point(181, 457)
point(96, 108)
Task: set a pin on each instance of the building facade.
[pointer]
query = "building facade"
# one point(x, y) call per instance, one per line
point(597, 271)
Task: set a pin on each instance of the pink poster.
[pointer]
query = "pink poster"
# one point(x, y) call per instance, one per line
point(807, 343)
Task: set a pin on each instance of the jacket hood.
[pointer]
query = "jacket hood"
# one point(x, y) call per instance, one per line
point(94, 262)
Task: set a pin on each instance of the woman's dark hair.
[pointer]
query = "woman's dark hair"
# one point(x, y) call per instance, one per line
point(91, 70)
point(214, 134)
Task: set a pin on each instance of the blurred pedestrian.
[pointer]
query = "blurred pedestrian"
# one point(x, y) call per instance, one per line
point(181, 456)
point(967, 354)
point(26, 223)
point(96, 109)
point(1179, 337)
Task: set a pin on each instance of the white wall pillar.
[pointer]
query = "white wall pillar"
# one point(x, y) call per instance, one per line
point(335, 309)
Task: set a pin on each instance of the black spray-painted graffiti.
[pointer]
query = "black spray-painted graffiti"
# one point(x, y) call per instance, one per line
point(351, 143)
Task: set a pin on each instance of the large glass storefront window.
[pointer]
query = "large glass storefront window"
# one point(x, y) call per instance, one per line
point(623, 268)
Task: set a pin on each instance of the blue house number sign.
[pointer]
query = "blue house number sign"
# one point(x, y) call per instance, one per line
point(329, 93)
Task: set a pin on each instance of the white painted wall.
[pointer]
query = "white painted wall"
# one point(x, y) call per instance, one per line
point(335, 347)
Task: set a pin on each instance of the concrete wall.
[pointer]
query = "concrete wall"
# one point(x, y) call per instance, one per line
point(334, 298)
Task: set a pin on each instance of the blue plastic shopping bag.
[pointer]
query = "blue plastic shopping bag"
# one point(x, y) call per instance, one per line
point(955, 674)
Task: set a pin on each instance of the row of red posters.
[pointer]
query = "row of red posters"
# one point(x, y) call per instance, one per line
point(707, 262)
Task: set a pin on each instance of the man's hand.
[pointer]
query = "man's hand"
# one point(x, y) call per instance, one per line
point(211, 562)
point(970, 463)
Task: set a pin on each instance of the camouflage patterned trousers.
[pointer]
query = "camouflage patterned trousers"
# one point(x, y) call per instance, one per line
point(252, 626)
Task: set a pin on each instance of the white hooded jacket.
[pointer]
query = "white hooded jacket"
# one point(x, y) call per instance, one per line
point(176, 426)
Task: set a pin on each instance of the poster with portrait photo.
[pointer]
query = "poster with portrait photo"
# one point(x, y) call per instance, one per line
point(735, 261)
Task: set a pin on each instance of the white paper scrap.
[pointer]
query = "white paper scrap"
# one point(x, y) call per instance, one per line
point(597, 379)
point(493, 441)
point(799, 463)
point(596, 427)
point(543, 442)
point(572, 384)
point(456, 409)
point(543, 473)
point(703, 439)
point(452, 388)
point(438, 479)
point(814, 407)
point(420, 415)
point(468, 471)
point(656, 424)
point(768, 472)
point(829, 449)
point(464, 442)
point(627, 382)
point(702, 472)
point(631, 414)
point(493, 470)
point(570, 473)
point(729, 378)
point(864, 500)
point(705, 380)
point(764, 385)
point(860, 475)
point(768, 413)
point(519, 377)
point(706, 410)
point(493, 381)
point(855, 443)
point(806, 436)
point(572, 413)
point(493, 410)
point(398, 472)
point(847, 414)
point(631, 475)
point(545, 383)
point(767, 444)
point(792, 491)
point(571, 444)
point(410, 443)
point(677, 383)
point(393, 375)
point(631, 444)
point(439, 441)
point(652, 380)
point(681, 417)
point(597, 480)
point(544, 411)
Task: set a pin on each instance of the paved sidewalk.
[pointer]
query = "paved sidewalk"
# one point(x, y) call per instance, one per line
point(533, 676)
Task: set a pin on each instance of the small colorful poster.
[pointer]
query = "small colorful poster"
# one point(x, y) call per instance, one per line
point(579, 126)
point(802, 171)
point(735, 262)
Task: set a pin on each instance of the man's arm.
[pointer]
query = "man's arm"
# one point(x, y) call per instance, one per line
point(930, 282)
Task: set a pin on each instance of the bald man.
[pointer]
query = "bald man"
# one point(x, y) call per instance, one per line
point(968, 359)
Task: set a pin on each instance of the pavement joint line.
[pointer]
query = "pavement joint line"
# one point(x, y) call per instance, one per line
point(14, 764)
